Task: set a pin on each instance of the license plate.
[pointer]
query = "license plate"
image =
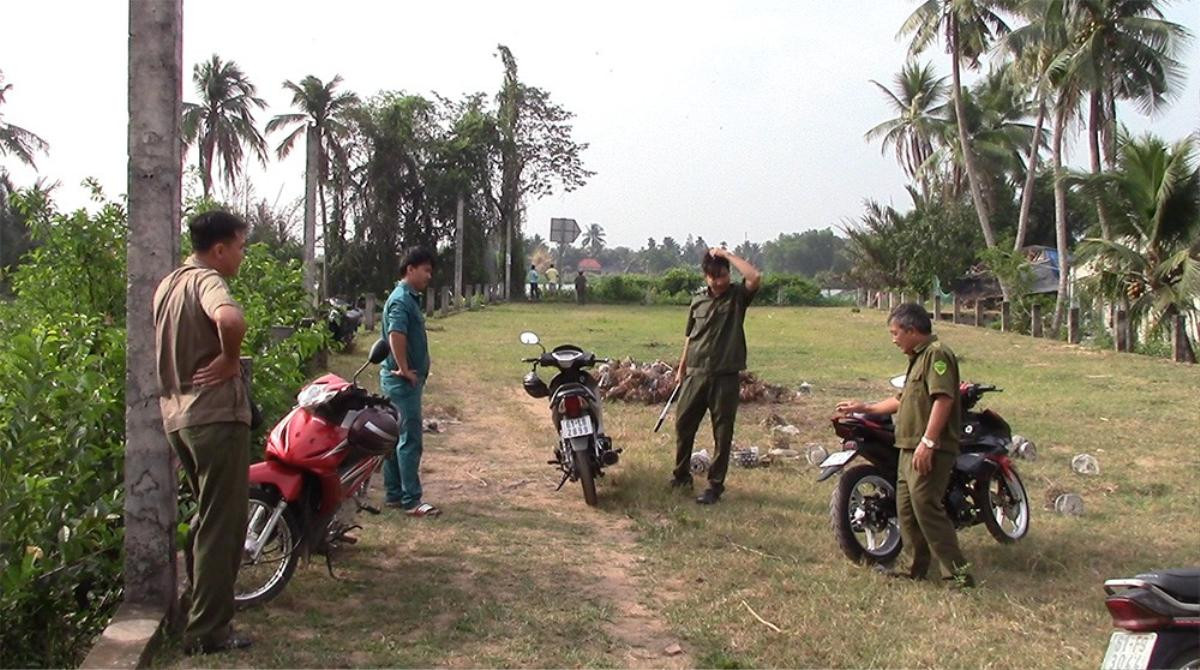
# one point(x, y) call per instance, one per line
point(1129, 651)
point(576, 427)
point(838, 458)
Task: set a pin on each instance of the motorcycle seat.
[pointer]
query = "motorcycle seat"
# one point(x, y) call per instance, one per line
point(1182, 583)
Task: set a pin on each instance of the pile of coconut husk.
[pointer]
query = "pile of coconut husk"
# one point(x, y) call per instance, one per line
point(651, 383)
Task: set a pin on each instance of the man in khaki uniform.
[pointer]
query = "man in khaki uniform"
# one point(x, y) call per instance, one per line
point(206, 414)
point(713, 355)
point(928, 422)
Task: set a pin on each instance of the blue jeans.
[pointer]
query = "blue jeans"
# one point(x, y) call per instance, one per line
point(402, 469)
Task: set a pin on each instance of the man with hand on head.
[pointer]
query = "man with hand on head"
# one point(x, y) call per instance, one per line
point(714, 353)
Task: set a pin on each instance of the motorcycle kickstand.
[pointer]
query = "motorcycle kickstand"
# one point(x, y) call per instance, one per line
point(566, 476)
point(370, 509)
point(329, 565)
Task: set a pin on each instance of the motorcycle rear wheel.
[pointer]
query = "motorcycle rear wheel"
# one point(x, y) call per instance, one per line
point(583, 468)
point(854, 487)
point(1004, 506)
point(259, 581)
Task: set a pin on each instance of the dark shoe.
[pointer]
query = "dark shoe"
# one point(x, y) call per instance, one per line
point(685, 483)
point(709, 497)
point(394, 504)
point(233, 641)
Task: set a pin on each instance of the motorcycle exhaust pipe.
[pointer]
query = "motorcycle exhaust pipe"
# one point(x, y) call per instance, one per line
point(610, 458)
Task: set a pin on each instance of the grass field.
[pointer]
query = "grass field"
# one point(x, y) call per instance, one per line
point(516, 574)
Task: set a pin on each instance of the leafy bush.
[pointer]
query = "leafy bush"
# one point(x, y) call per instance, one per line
point(676, 286)
point(62, 419)
point(62, 436)
point(619, 288)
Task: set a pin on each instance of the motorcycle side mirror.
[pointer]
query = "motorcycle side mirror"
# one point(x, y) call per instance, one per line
point(379, 351)
point(898, 381)
point(529, 337)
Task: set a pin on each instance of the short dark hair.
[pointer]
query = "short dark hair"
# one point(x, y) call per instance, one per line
point(714, 266)
point(418, 256)
point(911, 316)
point(213, 227)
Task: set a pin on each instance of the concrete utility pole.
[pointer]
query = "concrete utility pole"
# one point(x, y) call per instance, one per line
point(312, 159)
point(508, 259)
point(155, 167)
point(458, 249)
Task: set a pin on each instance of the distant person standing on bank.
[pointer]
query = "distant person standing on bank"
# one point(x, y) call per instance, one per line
point(206, 414)
point(580, 288)
point(552, 278)
point(714, 354)
point(532, 278)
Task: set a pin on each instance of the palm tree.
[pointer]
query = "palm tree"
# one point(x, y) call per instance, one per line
point(16, 140)
point(326, 110)
point(969, 27)
point(873, 245)
point(1038, 48)
point(1153, 258)
point(916, 100)
point(593, 239)
point(224, 119)
point(1125, 51)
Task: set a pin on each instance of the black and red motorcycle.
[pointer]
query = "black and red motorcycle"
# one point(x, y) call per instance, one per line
point(577, 412)
point(984, 487)
point(1158, 617)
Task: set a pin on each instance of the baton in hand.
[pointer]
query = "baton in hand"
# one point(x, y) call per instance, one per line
point(666, 408)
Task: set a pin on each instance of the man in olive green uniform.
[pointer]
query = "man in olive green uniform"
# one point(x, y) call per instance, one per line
point(713, 355)
point(206, 414)
point(928, 422)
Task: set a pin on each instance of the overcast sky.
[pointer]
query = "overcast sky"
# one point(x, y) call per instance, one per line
point(723, 120)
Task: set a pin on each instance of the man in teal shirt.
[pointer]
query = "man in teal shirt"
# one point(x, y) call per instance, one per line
point(532, 277)
point(403, 377)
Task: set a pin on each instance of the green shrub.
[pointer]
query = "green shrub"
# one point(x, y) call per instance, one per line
point(62, 420)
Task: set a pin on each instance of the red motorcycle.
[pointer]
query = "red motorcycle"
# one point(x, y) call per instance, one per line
point(318, 457)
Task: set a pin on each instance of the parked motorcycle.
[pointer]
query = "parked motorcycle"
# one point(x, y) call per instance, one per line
point(343, 320)
point(1158, 617)
point(984, 487)
point(583, 450)
point(318, 457)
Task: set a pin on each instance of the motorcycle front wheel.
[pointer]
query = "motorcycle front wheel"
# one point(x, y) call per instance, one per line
point(1004, 506)
point(260, 580)
point(862, 513)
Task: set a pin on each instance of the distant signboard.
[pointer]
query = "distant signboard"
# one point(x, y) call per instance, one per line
point(563, 230)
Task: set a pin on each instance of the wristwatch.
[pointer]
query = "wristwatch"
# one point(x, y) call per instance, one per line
point(926, 442)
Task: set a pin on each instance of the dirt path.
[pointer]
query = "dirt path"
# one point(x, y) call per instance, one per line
point(468, 469)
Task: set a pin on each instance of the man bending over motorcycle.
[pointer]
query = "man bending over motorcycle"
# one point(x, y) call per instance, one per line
point(713, 355)
point(929, 411)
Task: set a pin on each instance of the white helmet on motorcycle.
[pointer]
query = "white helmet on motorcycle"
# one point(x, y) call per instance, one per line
point(375, 431)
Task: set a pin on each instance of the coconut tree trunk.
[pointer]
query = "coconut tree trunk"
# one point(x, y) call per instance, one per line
point(155, 163)
point(1095, 120)
point(312, 147)
point(1031, 175)
point(207, 147)
point(974, 178)
point(1060, 222)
